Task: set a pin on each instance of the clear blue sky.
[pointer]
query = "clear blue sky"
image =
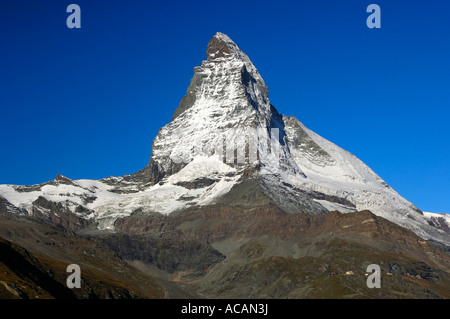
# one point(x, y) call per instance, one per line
point(87, 103)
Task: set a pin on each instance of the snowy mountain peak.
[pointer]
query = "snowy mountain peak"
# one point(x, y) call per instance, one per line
point(225, 133)
point(221, 46)
point(226, 75)
point(221, 49)
point(226, 100)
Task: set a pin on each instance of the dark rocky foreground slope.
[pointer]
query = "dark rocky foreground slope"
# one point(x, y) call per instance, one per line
point(222, 251)
point(34, 256)
point(271, 254)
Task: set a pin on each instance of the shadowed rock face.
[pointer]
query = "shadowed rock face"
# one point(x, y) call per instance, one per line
point(7, 208)
point(20, 267)
point(168, 254)
point(217, 48)
point(34, 255)
point(59, 215)
point(440, 223)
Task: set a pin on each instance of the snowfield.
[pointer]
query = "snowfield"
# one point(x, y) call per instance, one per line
point(107, 206)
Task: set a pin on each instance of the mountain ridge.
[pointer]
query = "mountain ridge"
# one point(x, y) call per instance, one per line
point(224, 127)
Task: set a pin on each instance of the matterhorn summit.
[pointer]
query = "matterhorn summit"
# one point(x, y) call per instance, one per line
point(226, 144)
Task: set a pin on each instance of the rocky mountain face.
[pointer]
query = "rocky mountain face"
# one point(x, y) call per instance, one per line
point(247, 202)
point(35, 253)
